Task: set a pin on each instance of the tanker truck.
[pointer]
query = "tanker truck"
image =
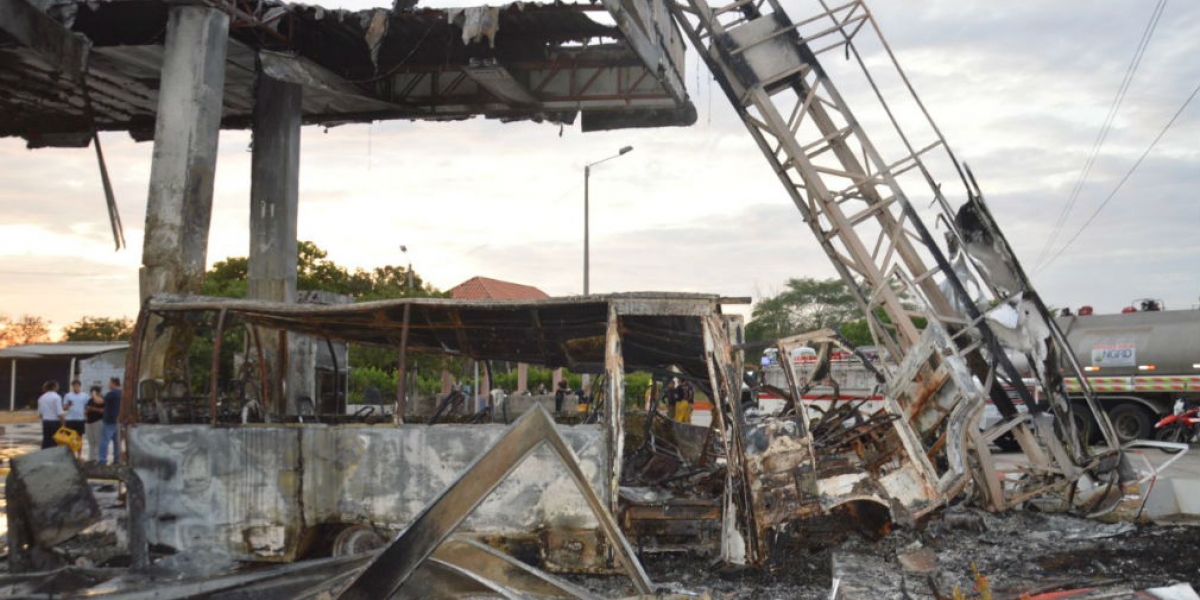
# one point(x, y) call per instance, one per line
point(1138, 362)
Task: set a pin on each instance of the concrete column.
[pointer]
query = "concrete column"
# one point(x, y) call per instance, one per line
point(179, 207)
point(522, 378)
point(274, 208)
point(555, 377)
point(274, 191)
point(447, 382)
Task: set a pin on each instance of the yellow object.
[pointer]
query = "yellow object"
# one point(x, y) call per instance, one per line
point(683, 412)
point(65, 436)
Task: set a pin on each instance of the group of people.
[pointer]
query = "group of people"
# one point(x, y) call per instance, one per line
point(93, 416)
point(562, 391)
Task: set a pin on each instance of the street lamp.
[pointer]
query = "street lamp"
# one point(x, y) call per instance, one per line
point(402, 367)
point(587, 174)
point(404, 250)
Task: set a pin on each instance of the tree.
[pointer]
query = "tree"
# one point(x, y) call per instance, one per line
point(99, 329)
point(26, 330)
point(227, 278)
point(314, 271)
point(805, 305)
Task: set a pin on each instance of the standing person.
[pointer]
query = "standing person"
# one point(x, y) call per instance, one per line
point(685, 395)
point(669, 395)
point(560, 395)
point(112, 408)
point(93, 413)
point(50, 407)
point(73, 403)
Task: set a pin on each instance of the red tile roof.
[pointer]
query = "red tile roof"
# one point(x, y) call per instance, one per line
point(484, 288)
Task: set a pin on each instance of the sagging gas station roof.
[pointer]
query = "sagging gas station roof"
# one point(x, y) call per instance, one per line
point(656, 328)
point(543, 62)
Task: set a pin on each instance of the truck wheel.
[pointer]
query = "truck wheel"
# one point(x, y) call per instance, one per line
point(1130, 421)
point(1083, 423)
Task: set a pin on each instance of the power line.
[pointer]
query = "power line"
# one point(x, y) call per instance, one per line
point(1073, 197)
point(1125, 178)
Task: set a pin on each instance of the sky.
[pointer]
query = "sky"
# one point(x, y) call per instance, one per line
point(1019, 89)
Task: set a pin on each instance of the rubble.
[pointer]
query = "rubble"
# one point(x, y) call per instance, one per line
point(48, 502)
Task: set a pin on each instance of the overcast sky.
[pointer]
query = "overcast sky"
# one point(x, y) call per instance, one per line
point(1020, 90)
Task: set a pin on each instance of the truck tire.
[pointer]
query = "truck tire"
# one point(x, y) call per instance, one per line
point(1084, 425)
point(1131, 422)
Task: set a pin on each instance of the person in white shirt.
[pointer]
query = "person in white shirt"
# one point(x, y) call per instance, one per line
point(50, 407)
point(74, 403)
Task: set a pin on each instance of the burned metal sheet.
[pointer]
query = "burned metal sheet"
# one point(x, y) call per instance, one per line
point(395, 564)
point(255, 492)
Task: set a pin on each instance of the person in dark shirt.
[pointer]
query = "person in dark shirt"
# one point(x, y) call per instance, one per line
point(112, 408)
point(560, 395)
point(94, 412)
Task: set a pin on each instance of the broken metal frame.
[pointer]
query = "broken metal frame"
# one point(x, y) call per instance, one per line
point(389, 570)
point(628, 73)
point(767, 66)
point(381, 322)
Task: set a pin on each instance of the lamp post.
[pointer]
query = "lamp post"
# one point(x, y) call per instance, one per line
point(587, 174)
point(402, 370)
point(408, 272)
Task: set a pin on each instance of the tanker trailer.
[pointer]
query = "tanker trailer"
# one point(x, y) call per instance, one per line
point(1137, 362)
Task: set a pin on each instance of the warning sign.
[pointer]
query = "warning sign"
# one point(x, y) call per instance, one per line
point(1114, 355)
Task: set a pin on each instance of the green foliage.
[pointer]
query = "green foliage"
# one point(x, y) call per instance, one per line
point(364, 378)
point(227, 278)
point(315, 271)
point(636, 385)
point(809, 304)
point(805, 305)
point(98, 329)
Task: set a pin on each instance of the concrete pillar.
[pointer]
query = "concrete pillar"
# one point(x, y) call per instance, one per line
point(274, 207)
point(274, 191)
point(179, 206)
point(447, 382)
point(522, 378)
point(555, 378)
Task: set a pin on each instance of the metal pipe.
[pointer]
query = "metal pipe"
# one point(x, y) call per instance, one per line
point(12, 388)
point(587, 174)
point(262, 370)
point(402, 373)
point(215, 370)
point(133, 366)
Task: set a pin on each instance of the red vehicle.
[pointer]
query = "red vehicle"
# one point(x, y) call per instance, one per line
point(1180, 425)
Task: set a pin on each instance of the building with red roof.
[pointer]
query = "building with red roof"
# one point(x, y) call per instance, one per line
point(486, 288)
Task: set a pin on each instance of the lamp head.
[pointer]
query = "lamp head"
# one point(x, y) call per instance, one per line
point(624, 150)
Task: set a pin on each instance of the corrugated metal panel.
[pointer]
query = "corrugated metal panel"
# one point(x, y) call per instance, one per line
point(62, 349)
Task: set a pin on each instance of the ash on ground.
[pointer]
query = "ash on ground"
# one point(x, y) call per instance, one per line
point(1018, 553)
